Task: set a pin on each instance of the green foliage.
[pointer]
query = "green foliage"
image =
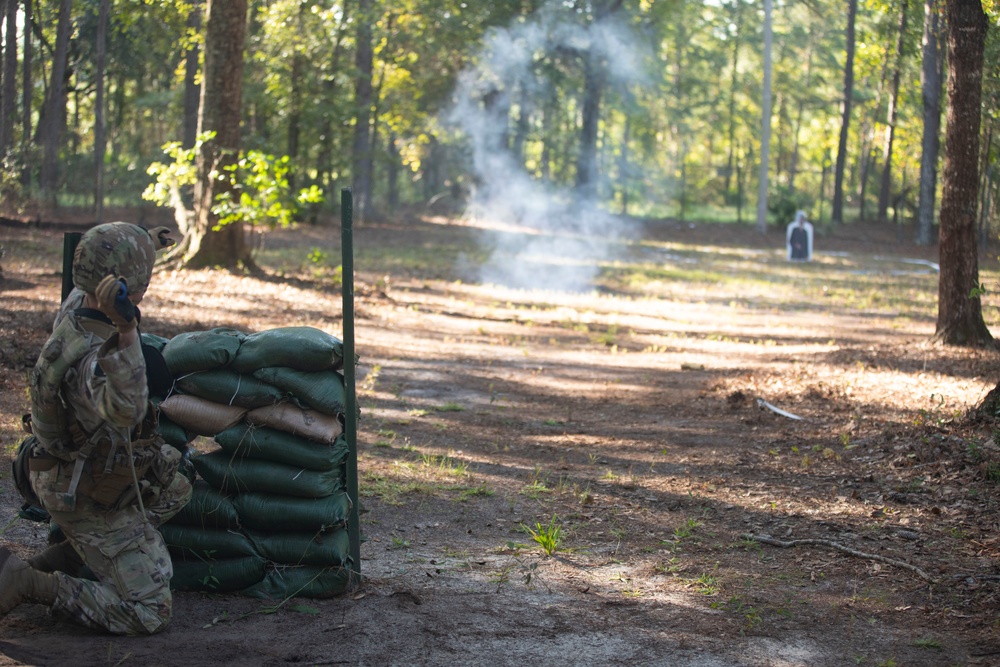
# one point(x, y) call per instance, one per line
point(783, 203)
point(171, 178)
point(549, 538)
point(260, 196)
point(682, 140)
point(11, 190)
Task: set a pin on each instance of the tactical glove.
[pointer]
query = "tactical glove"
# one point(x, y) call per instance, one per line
point(112, 300)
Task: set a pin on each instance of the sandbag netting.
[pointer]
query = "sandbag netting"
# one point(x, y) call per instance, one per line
point(269, 512)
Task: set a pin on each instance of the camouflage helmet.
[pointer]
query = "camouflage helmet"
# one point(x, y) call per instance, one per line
point(118, 248)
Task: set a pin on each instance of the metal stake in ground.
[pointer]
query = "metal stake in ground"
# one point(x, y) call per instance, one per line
point(350, 395)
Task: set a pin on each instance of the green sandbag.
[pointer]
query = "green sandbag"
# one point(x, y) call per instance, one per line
point(306, 581)
point(154, 341)
point(320, 390)
point(201, 350)
point(302, 348)
point(207, 509)
point(218, 576)
point(230, 388)
point(303, 548)
point(195, 543)
point(241, 475)
point(172, 433)
point(268, 444)
point(269, 512)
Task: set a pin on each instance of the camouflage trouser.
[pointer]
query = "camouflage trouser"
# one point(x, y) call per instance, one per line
point(125, 552)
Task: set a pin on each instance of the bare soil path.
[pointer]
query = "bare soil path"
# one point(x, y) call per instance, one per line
point(628, 418)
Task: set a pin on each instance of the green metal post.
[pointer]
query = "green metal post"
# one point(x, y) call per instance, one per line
point(70, 241)
point(351, 398)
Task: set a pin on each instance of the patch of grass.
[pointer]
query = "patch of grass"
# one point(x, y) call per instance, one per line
point(449, 407)
point(686, 529)
point(388, 489)
point(737, 605)
point(535, 489)
point(367, 385)
point(445, 463)
point(707, 584)
point(480, 491)
point(608, 337)
point(929, 642)
point(549, 538)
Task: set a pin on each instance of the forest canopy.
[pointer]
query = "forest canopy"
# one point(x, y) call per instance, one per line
point(650, 108)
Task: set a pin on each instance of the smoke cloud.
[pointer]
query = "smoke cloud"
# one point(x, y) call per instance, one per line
point(542, 236)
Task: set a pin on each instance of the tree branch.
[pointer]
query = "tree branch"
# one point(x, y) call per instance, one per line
point(767, 539)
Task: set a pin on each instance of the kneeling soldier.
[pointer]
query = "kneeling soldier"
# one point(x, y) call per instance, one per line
point(97, 463)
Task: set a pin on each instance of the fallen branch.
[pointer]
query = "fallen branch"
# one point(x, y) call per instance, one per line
point(776, 410)
point(767, 539)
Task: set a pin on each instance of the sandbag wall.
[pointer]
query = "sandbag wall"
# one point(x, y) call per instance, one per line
point(270, 507)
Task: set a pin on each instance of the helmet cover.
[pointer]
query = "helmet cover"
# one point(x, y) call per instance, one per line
point(116, 248)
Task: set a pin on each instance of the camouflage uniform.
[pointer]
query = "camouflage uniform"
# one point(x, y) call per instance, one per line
point(106, 393)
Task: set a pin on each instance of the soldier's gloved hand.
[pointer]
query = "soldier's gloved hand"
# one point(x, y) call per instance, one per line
point(161, 240)
point(112, 300)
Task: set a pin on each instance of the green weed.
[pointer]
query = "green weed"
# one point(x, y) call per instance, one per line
point(549, 538)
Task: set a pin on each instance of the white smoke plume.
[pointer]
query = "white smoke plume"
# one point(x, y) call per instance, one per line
point(546, 237)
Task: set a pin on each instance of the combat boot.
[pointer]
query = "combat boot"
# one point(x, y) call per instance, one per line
point(61, 557)
point(19, 583)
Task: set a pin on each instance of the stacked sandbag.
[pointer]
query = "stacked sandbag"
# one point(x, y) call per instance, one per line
point(269, 510)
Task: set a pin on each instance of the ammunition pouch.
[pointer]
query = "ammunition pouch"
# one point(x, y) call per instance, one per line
point(113, 465)
point(107, 475)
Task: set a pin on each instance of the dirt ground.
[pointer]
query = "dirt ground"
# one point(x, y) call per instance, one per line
point(627, 418)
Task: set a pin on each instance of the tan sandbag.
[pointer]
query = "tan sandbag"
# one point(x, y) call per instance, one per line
point(298, 421)
point(199, 415)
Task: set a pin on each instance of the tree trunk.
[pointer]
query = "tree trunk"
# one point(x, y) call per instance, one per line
point(765, 124)
point(361, 153)
point(794, 168)
point(8, 98)
point(593, 89)
point(324, 157)
point(392, 173)
point(374, 141)
point(100, 135)
point(733, 82)
point(623, 164)
point(930, 84)
point(960, 315)
point(984, 188)
point(55, 107)
point(884, 194)
point(295, 116)
point(837, 215)
point(295, 106)
point(220, 112)
point(522, 127)
point(192, 91)
point(26, 90)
